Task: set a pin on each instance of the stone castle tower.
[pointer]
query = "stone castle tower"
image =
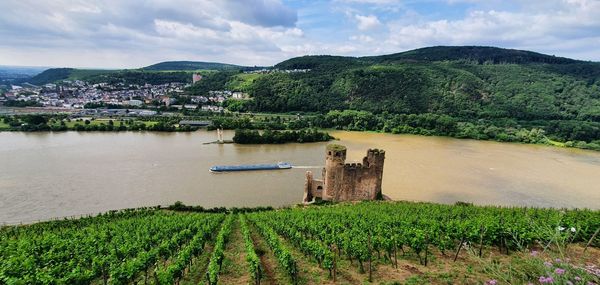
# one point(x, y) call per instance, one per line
point(346, 181)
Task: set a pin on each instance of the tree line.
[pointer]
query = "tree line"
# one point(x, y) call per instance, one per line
point(243, 136)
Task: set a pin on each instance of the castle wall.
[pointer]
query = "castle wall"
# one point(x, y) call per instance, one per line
point(347, 181)
point(313, 188)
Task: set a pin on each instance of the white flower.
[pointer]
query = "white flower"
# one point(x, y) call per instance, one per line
point(560, 229)
point(573, 229)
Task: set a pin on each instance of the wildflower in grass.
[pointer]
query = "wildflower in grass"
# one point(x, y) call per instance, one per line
point(559, 271)
point(546, 280)
point(577, 278)
point(592, 269)
point(573, 229)
point(492, 282)
point(569, 282)
point(534, 253)
point(548, 264)
point(558, 260)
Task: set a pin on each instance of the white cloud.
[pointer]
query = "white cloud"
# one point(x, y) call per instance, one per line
point(144, 31)
point(550, 31)
point(379, 2)
point(367, 22)
point(362, 38)
point(135, 33)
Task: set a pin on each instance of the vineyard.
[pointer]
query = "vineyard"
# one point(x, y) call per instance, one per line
point(377, 242)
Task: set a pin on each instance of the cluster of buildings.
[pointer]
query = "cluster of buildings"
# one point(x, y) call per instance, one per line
point(76, 94)
point(276, 70)
point(115, 112)
point(221, 95)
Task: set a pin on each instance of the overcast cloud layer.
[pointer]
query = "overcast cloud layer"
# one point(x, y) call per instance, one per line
point(136, 33)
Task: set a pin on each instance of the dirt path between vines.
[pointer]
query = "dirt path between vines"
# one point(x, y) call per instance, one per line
point(272, 273)
point(234, 269)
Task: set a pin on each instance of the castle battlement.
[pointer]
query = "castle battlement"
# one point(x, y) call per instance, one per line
point(354, 165)
point(375, 151)
point(346, 181)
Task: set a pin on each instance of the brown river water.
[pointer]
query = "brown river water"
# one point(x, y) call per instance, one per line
point(50, 175)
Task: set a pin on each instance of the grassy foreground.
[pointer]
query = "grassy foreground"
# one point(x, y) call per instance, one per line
point(348, 243)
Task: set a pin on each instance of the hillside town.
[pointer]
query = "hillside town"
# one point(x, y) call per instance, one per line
point(77, 94)
point(277, 70)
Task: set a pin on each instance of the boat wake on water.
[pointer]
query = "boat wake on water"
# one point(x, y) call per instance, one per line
point(307, 167)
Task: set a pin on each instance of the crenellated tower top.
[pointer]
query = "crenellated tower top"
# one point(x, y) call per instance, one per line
point(335, 153)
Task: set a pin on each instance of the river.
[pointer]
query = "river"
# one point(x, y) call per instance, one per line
point(49, 175)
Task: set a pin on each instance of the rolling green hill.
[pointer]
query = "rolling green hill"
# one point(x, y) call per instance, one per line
point(164, 72)
point(489, 93)
point(51, 75)
point(474, 82)
point(196, 65)
point(125, 76)
point(479, 54)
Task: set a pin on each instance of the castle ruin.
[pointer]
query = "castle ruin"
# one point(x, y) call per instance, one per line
point(346, 181)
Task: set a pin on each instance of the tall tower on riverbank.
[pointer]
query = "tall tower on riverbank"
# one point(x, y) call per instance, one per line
point(220, 135)
point(346, 181)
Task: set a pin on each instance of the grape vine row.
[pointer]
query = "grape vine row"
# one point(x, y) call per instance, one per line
point(216, 259)
point(281, 252)
point(251, 257)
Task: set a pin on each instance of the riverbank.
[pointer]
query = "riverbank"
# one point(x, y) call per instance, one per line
point(575, 134)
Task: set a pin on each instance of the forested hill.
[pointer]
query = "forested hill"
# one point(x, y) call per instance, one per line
point(471, 82)
point(196, 65)
point(125, 76)
point(473, 54)
point(164, 72)
point(50, 75)
point(483, 86)
point(477, 54)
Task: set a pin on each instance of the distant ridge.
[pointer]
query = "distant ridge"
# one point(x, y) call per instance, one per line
point(50, 75)
point(195, 65)
point(471, 54)
point(478, 54)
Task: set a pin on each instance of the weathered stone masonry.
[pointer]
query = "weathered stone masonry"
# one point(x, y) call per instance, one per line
point(346, 181)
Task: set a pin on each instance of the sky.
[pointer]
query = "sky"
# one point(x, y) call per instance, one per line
point(137, 33)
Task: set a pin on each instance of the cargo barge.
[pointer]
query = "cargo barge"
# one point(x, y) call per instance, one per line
point(251, 167)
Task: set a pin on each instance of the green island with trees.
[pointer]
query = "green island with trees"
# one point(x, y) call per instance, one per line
point(377, 242)
point(277, 137)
